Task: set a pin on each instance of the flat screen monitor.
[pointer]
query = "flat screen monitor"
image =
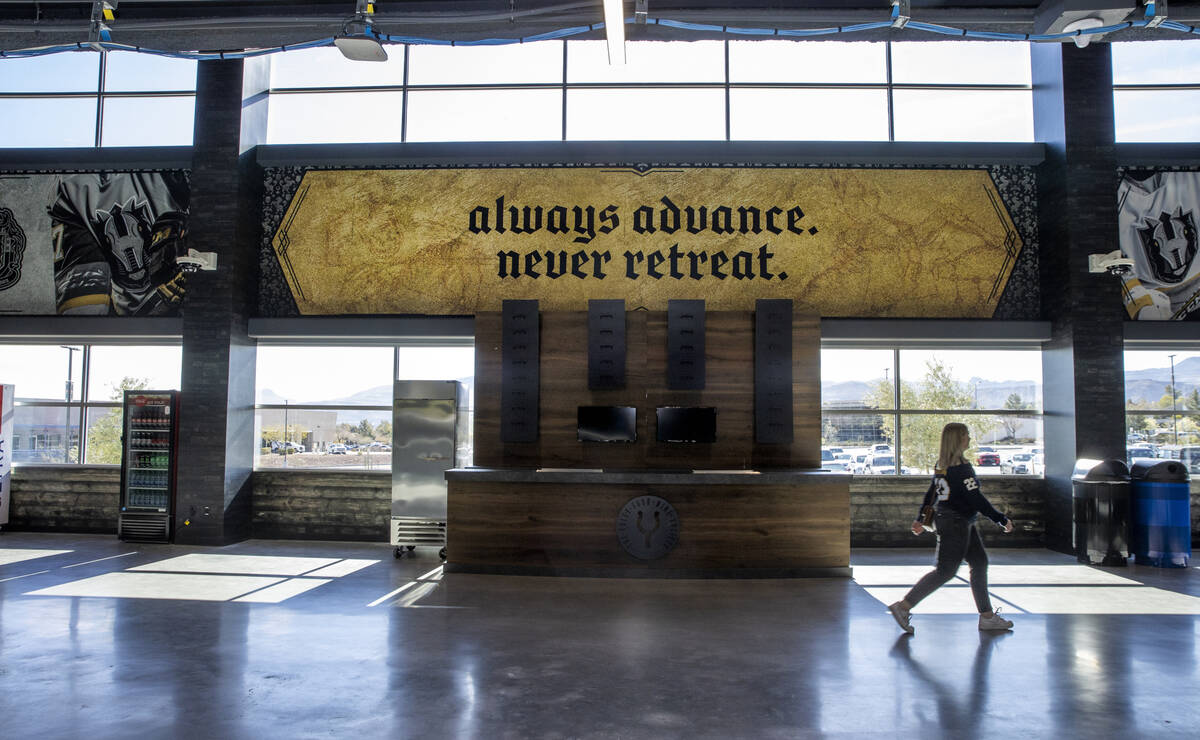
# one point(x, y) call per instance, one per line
point(607, 424)
point(687, 424)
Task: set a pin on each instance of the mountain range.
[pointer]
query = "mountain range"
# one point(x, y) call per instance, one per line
point(1150, 384)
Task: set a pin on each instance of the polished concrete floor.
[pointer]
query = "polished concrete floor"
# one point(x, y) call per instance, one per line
point(102, 639)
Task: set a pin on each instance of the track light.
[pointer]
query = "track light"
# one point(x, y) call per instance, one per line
point(357, 42)
point(614, 29)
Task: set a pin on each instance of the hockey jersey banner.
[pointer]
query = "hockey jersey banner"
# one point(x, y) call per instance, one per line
point(1157, 218)
point(93, 243)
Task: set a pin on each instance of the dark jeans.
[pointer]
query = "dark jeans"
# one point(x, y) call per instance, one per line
point(958, 538)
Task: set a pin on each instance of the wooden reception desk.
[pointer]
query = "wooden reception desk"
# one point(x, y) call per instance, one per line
point(776, 524)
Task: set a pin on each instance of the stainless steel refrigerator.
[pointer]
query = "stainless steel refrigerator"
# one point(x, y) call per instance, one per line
point(429, 433)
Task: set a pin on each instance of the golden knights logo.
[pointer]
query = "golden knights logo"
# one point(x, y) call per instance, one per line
point(1170, 245)
point(648, 527)
point(126, 226)
point(12, 249)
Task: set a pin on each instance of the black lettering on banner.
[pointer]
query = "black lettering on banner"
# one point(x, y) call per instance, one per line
point(478, 221)
point(585, 224)
point(752, 215)
point(598, 260)
point(630, 270)
point(531, 260)
point(743, 266)
point(772, 212)
point(653, 260)
point(794, 216)
point(578, 260)
point(581, 221)
point(510, 264)
point(552, 273)
point(643, 220)
point(610, 219)
point(722, 220)
point(717, 261)
point(675, 254)
point(556, 220)
point(764, 256)
point(668, 217)
point(526, 220)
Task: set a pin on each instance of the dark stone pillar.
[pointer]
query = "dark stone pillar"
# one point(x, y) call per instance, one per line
point(1083, 365)
point(217, 409)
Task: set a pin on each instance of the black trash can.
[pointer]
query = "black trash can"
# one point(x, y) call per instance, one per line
point(1100, 493)
point(1161, 514)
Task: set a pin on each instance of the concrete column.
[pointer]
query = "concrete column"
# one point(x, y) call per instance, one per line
point(217, 408)
point(1083, 365)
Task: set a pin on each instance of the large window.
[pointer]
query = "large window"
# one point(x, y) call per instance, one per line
point(331, 406)
point(1156, 91)
point(1162, 405)
point(82, 99)
point(768, 90)
point(883, 409)
point(68, 397)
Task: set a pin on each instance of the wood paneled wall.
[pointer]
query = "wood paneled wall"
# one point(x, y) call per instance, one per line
point(729, 356)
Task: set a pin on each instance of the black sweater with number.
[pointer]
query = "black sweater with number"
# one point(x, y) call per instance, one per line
point(957, 489)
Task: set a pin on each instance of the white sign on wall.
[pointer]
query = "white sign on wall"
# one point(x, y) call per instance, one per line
point(6, 435)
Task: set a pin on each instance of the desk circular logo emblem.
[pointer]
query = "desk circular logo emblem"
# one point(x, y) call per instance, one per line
point(648, 527)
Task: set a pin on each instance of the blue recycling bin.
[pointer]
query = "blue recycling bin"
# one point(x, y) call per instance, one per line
point(1161, 514)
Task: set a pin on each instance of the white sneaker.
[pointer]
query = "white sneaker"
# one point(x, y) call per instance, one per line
point(994, 622)
point(901, 615)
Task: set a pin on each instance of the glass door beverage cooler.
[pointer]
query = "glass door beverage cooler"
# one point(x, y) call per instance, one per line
point(148, 466)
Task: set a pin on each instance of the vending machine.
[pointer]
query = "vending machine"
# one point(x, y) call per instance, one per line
point(148, 465)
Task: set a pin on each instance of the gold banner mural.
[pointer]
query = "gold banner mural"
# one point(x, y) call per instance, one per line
point(839, 242)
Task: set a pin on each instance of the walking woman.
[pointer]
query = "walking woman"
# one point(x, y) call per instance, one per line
point(955, 493)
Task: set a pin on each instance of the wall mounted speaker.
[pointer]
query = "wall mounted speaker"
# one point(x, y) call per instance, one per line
point(685, 345)
point(519, 372)
point(606, 345)
point(773, 371)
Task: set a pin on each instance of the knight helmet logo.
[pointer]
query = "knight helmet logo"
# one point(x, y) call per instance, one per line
point(126, 227)
point(12, 249)
point(1170, 245)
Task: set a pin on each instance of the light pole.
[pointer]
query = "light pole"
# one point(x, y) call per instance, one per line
point(1174, 423)
point(70, 397)
point(70, 356)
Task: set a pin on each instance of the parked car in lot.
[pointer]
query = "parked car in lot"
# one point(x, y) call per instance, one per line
point(290, 447)
point(835, 466)
point(1190, 456)
point(880, 465)
point(826, 454)
point(858, 464)
point(1020, 464)
point(987, 459)
point(1140, 451)
point(336, 449)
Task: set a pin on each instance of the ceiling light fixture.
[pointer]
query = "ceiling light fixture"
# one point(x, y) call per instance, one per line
point(357, 42)
point(614, 29)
